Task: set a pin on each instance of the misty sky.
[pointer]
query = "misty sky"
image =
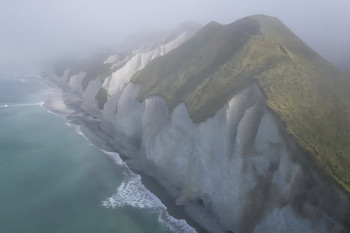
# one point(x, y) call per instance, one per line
point(32, 30)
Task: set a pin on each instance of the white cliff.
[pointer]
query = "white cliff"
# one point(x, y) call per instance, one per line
point(238, 165)
point(127, 67)
point(118, 79)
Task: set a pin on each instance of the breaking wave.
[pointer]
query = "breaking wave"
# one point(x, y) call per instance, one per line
point(131, 192)
point(21, 105)
point(115, 156)
point(77, 129)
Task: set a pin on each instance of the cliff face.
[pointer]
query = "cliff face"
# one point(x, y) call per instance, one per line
point(307, 92)
point(238, 164)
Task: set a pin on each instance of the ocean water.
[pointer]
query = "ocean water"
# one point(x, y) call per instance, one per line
point(53, 180)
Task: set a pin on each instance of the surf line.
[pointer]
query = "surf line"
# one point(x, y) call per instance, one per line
point(21, 105)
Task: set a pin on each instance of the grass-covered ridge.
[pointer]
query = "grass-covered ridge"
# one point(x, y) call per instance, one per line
point(308, 93)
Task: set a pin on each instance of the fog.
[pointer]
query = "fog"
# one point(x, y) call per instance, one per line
point(36, 30)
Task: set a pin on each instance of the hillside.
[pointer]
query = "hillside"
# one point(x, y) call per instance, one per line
point(309, 94)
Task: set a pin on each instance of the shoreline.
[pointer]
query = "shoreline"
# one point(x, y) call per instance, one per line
point(68, 104)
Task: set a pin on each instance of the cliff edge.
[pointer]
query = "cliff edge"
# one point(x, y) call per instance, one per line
point(242, 121)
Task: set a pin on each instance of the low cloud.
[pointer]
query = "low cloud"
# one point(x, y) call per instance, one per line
point(35, 30)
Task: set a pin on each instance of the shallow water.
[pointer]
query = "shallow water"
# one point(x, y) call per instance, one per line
point(54, 180)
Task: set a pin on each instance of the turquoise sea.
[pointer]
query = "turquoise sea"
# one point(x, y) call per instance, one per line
point(53, 180)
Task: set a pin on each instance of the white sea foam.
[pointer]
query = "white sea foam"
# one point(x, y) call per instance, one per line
point(21, 105)
point(175, 225)
point(47, 107)
point(77, 129)
point(115, 156)
point(131, 192)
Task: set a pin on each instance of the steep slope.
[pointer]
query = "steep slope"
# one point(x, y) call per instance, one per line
point(98, 77)
point(308, 93)
point(223, 120)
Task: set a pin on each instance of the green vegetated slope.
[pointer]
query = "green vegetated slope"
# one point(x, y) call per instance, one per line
point(307, 92)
